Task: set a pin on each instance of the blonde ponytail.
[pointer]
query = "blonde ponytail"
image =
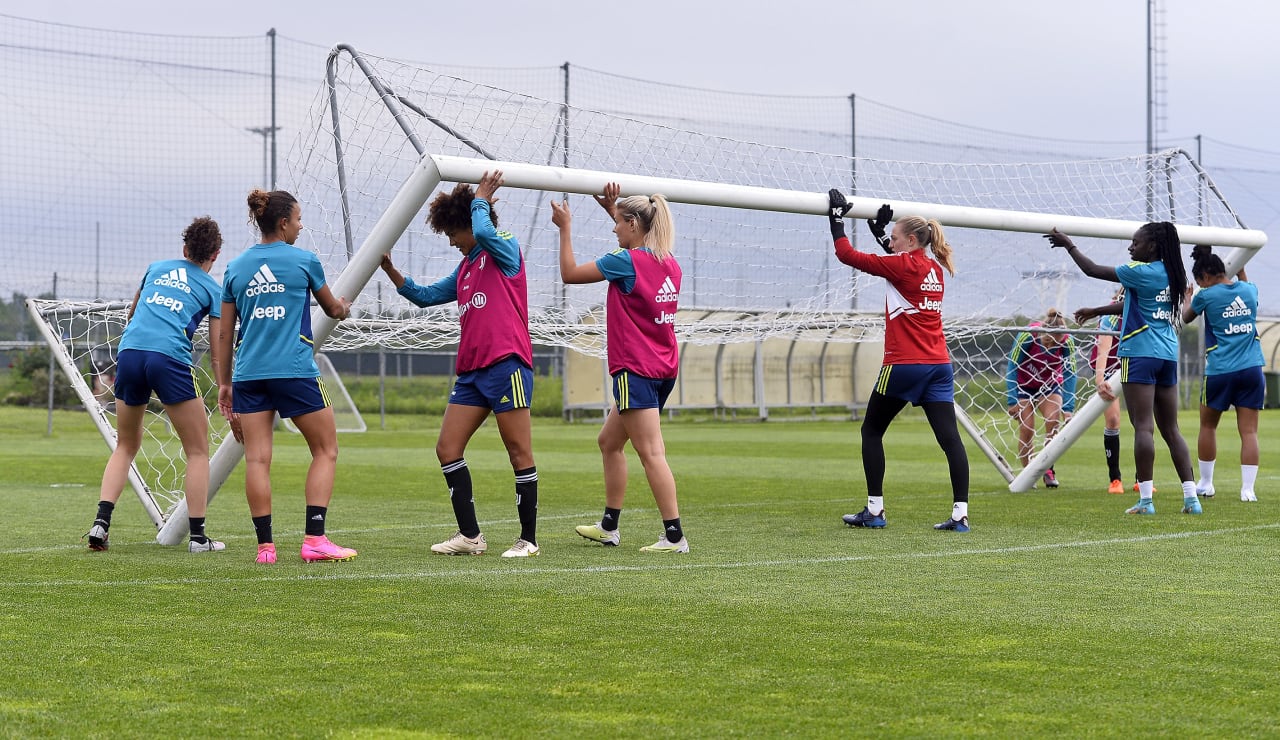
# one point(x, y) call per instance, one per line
point(929, 234)
point(654, 216)
point(941, 249)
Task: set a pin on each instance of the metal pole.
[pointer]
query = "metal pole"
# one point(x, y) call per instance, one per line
point(382, 372)
point(853, 187)
point(272, 35)
point(52, 368)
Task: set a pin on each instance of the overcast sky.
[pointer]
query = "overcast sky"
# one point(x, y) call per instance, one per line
point(1072, 70)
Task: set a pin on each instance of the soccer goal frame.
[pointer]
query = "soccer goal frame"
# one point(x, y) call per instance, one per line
point(433, 168)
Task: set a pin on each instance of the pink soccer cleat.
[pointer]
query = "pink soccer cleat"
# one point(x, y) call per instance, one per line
point(267, 553)
point(318, 549)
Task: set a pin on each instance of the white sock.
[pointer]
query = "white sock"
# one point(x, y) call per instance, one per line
point(959, 510)
point(1144, 488)
point(1188, 489)
point(875, 504)
point(1248, 474)
point(1206, 473)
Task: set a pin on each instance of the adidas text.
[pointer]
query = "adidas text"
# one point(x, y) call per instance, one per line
point(1232, 311)
point(169, 282)
point(254, 290)
point(173, 304)
point(667, 298)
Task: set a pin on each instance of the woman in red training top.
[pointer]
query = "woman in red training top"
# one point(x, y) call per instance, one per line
point(917, 366)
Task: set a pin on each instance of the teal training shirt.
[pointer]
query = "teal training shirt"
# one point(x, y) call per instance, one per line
point(1230, 327)
point(1146, 329)
point(271, 285)
point(174, 297)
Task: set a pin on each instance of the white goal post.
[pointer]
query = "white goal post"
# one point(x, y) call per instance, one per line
point(751, 235)
point(433, 169)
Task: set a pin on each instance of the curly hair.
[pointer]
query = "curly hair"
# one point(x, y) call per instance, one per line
point(266, 209)
point(202, 239)
point(451, 212)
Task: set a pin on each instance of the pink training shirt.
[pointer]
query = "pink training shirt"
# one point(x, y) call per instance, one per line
point(493, 311)
point(642, 323)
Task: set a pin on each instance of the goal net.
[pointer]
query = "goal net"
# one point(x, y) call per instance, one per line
point(84, 338)
point(383, 135)
point(751, 236)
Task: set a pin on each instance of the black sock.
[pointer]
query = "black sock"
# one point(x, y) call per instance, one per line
point(197, 529)
point(1111, 443)
point(609, 522)
point(262, 525)
point(104, 514)
point(673, 530)
point(527, 503)
point(315, 520)
point(458, 477)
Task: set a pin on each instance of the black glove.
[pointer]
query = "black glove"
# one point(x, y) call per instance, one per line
point(877, 224)
point(838, 207)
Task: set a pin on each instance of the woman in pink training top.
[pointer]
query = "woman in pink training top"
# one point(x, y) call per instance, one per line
point(644, 288)
point(495, 357)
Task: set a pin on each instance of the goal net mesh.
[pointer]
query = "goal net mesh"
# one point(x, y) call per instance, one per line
point(89, 334)
point(775, 272)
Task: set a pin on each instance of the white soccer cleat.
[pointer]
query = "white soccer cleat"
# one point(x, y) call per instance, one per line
point(209, 545)
point(665, 546)
point(1205, 491)
point(1248, 496)
point(522, 549)
point(460, 545)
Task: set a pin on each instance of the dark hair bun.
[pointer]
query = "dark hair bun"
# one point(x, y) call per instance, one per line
point(258, 200)
point(1200, 251)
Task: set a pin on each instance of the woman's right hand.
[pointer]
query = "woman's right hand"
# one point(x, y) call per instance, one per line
point(1084, 314)
point(608, 199)
point(560, 215)
point(1058, 239)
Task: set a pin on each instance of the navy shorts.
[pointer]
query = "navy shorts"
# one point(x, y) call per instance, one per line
point(1244, 389)
point(503, 386)
point(1148, 371)
point(139, 372)
point(631, 391)
point(289, 397)
point(918, 384)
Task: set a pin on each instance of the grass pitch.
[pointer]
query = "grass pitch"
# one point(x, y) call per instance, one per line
point(1056, 615)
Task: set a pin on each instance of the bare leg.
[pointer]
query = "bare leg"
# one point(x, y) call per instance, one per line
point(612, 441)
point(258, 428)
point(191, 421)
point(321, 433)
point(128, 442)
point(644, 428)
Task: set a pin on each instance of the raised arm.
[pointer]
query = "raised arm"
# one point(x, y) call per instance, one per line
point(396, 277)
point(571, 272)
point(1087, 266)
point(1082, 315)
point(608, 200)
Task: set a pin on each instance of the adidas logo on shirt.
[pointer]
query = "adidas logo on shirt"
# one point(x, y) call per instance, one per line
point(931, 283)
point(174, 279)
point(264, 281)
point(1237, 308)
point(667, 293)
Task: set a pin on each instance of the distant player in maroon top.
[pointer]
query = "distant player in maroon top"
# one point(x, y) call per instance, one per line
point(644, 289)
point(917, 366)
